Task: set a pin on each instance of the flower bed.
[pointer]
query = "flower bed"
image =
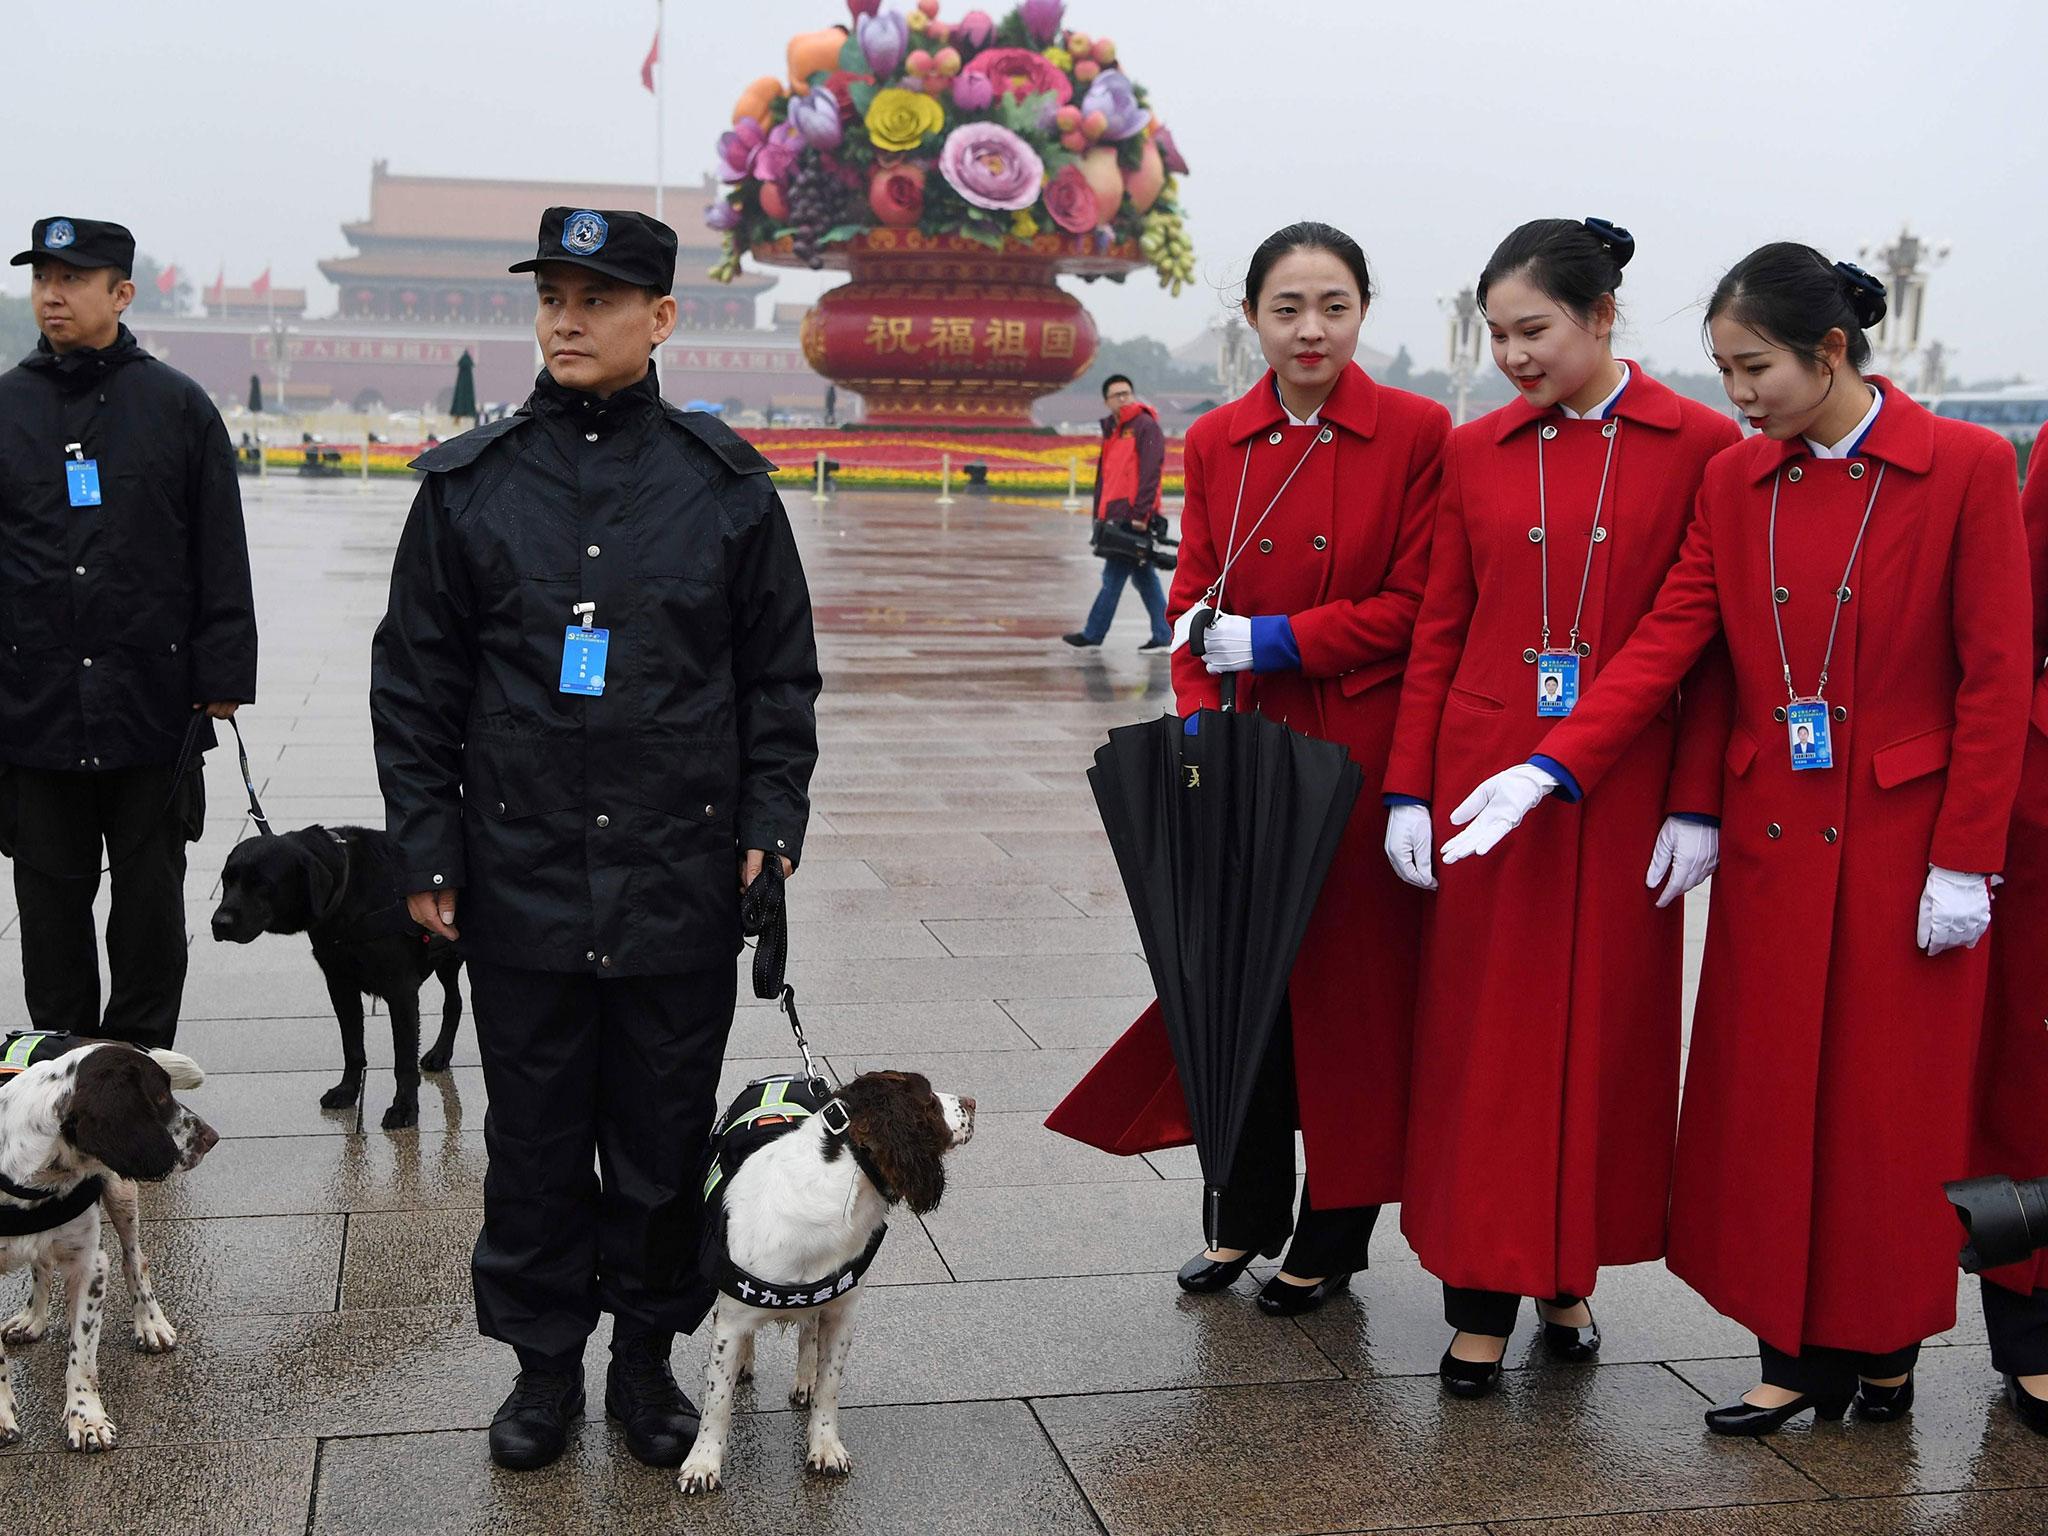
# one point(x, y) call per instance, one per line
point(911, 460)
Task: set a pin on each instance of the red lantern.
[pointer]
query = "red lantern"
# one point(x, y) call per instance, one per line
point(455, 301)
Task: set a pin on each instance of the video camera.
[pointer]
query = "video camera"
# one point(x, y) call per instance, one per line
point(2005, 1219)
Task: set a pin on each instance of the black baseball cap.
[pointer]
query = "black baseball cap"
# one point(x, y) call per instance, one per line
point(79, 243)
point(628, 246)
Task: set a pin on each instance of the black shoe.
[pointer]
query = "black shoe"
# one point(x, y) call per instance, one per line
point(1080, 641)
point(1469, 1378)
point(1741, 1418)
point(1562, 1342)
point(2033, 1411)
point(531, 1427)
point(1884, 1405)
point(1279, 1299)
point(1202, 1274)
point(640, 1391)
point(1155, 645)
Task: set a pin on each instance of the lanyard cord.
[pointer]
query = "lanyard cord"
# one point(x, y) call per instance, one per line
point(1841, 591)
point(1231, 547)
point(1613, 432)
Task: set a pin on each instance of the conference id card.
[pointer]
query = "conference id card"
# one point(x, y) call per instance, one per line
point(1806, 727)
point(82, 482)
point(583, 660)
point(1557, 684)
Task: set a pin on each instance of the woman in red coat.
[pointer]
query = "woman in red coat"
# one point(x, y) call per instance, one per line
point(1544, 1095)
point(1306, 527)
point(1865, 562)
point(2012, 1066)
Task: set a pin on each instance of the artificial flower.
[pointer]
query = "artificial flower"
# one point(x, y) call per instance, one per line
point(1070, 199)
point(777, 158)
point(884, 39)
point(1113, 95)
point(1022, 73)
point(1023, 226)
point(737, 149)
point(973, 92)
point(900, 120)
point(991, 167)
point(816, 117)
point(1042, 18)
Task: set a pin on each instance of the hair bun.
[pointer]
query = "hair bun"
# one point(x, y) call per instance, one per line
point(1866, 293)
point(1621, 245)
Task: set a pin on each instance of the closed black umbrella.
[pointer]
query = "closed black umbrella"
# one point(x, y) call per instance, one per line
point(462, 402)
point(1223, 826)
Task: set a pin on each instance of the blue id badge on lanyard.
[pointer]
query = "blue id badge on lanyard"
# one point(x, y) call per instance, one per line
point(583, 655)
point(82, 481)
point(1806, 725)
point(1557, 684)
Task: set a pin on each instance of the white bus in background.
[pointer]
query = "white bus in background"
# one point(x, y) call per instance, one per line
point(2017, 411)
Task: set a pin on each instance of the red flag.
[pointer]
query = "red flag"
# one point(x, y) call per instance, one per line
point(167, 280)
point(262, 284)
point(219, 290)
point(653, 58)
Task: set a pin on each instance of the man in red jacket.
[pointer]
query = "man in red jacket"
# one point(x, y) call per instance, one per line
point(1127, 490)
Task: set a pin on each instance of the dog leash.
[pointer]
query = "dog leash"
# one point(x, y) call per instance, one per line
point(764, 917)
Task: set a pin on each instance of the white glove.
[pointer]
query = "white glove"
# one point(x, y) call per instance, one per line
point(1495, 809)
point(1408, 836)
point(1955, 910)
point(1688, 851)
point(1228, 644)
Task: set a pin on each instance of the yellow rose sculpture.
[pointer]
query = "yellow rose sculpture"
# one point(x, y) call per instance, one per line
point(899, 121)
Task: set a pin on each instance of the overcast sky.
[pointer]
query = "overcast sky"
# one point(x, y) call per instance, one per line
point(244, 130)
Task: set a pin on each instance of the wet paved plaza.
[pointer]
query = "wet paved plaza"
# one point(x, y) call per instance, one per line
point(1024, 1362)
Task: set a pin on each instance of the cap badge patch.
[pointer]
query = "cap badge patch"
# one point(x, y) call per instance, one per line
point(584, 233)
point(58, 235)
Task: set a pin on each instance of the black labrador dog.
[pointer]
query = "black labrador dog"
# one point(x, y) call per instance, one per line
point(339, 887)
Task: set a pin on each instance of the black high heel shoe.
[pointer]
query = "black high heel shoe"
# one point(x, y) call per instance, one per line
point(1202, 1274)
point(1470, 1379)
point(1742, 1418)
point(2032, 1410)
point(1277, 1298)
point(1886, 1405)
point(1564, 1342)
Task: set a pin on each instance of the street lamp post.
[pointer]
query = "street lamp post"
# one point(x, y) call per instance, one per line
point(279, 361)
point(1904, 265)
point(1233, 352)
point(1461, 310)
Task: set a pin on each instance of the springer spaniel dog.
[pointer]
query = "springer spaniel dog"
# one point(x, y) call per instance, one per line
point(76, 1131)
point(806, 1190)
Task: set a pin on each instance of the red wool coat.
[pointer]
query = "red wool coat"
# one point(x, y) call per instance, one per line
point(2012, 1063)
point(1344, 553)
point(1828, 1089)
point(1544, 1098)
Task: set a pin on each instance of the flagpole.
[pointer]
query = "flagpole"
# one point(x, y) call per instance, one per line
point(660, 95)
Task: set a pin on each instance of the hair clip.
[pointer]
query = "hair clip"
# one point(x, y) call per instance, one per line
point(1621, 245)
point(1866, 293)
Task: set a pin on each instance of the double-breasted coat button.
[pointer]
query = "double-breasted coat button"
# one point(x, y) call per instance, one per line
point(1609, 428)
point(1530, 655)
point(1841, 711)
point(1843, 594)
point(1599, 534)
point(1535, 535)
point(1325, 435)
point(1277, 438)
point(1320, 542)
point(1782, 595)
point(1584, 648)
point(592, 551)
point(1778, 714)
point(1855, 471)
point(1265, 546)
point(1773, 830)
point(1828, 835)
point(1795, 474)
point(1549, 430)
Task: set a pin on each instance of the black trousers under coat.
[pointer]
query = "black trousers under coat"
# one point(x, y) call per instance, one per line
point(602, 1097)
point(1258, 1203)
point(2018, 1327)
point(1827, 1372)
point(1492, 1313)
point(62, 826)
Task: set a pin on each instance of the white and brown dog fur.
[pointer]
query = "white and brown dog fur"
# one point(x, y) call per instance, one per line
point(104, 1111)
point(800, 1208)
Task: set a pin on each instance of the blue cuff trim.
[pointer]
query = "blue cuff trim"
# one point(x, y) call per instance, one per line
point(1697, 818)
point(1273, 647)
point(1390, 801)
point(1567, 787)
point(1191, 725)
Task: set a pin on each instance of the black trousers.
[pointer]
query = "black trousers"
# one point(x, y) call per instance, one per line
point(603, 1094)
point(1492, 1313)
point(1828, 1372)
point(1258, 1202)
point(64, 826)
point(2018, 1326)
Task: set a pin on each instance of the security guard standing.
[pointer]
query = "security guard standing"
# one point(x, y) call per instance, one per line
point(129, 628)
point(594, 699)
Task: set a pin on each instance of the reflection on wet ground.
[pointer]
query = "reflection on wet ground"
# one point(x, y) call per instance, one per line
point(1024, 1362)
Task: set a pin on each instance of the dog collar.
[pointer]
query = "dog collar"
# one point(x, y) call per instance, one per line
point(50, 1210)
point(868, 1169)
point(756, 1292)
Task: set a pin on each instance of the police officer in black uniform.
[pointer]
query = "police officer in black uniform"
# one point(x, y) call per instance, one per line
point(594, 699)
point(128, 628)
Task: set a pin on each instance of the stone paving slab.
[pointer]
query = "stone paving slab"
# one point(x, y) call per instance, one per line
point(196, 1488)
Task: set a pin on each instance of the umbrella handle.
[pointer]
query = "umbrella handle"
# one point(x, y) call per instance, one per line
point(1212, 1215)
point(1198, 642)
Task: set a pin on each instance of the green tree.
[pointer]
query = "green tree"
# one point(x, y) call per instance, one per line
point(17, 330)
point(1150, 365)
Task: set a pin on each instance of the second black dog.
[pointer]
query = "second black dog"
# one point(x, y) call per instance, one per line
point(339, 887)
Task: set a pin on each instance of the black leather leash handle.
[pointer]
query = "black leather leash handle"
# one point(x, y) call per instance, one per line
point(764, 918)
